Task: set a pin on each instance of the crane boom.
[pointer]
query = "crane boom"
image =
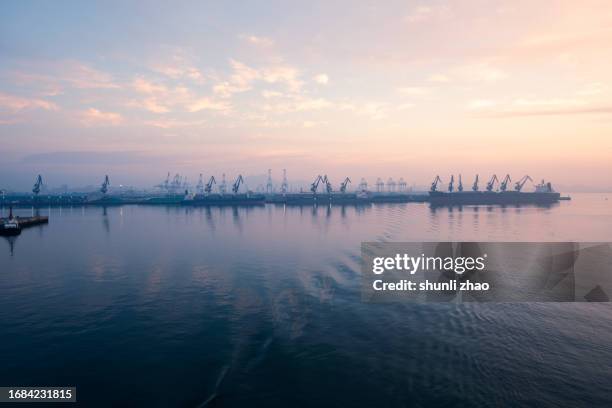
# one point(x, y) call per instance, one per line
point(475, 185)
point(504, 184)
point(328, 186)
point(451, 185)
point(492, 182)
point(37, 185)
point(236, 184)
point(519, 184)
point(315, 184)
point(434, 185)
point(105, 185)
point(208, 187)
point(344, 184)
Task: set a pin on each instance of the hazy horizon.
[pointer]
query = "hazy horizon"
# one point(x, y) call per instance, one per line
point(360, 89)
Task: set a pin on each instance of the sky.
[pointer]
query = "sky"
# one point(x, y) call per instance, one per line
point(370, 89)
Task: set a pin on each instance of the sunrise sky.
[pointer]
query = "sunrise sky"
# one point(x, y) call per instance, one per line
point(364, 89)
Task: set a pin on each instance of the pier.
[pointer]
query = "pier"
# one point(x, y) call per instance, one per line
point(13, 225)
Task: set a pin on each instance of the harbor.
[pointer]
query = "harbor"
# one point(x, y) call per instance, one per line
point(177, 192)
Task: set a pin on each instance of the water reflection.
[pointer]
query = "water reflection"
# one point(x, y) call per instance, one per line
point(105, 221)
point(262, 305)
point(11, 242)
point(435, 206)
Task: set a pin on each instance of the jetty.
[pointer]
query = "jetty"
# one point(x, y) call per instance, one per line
point(13, 225)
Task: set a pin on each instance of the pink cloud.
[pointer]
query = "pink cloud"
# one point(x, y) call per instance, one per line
point(93, 116)
point(15, 103)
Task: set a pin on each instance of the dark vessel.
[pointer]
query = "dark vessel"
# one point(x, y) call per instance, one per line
point(10, 226)
point(544, 194)
point(493, 197)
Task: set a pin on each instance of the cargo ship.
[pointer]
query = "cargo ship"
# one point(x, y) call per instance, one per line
point(544, 194)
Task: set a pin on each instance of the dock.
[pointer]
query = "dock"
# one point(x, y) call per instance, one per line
point(214, 199)
point(14, 225)
point(177, 192)
point(26, 222)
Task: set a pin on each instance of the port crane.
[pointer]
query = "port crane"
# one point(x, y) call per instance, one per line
point(363, 185)
point(176, 182)
point(519, 184)
point(236, 184)
point(344, 184)
point(402, 184)
point(434, 185)
point(315, 184)
point(451, 186)
point(223, 185)
point(285, 183)
point(167, 182)
point(105, 185)
point(208, 186)
point(380, 185)
point(460, 186)
point(200, 185)
point(504, 184)
point(475, 185)
point(269, 185)
point(328, 186)
point(492, 182)
point(38, 185)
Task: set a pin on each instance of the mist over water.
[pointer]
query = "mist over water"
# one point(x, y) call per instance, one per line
point(171, 306)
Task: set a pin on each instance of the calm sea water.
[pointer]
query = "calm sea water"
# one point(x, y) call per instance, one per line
point(261, 306)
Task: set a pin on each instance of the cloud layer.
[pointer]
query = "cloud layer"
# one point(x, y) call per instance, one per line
point(359, 89)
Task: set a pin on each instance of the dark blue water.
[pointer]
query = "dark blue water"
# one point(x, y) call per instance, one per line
point(261, 306)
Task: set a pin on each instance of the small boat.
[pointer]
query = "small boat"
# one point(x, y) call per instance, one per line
point(10, 225)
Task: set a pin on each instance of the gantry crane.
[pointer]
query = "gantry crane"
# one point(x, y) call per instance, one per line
point(223, 185)
point(451, 185)
point(363, 185)
point(200, 185)
point(285, 184)
point(460, 186)
point(269, 184)
point(402, 184)
point(380, 185)
point(475, 185)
